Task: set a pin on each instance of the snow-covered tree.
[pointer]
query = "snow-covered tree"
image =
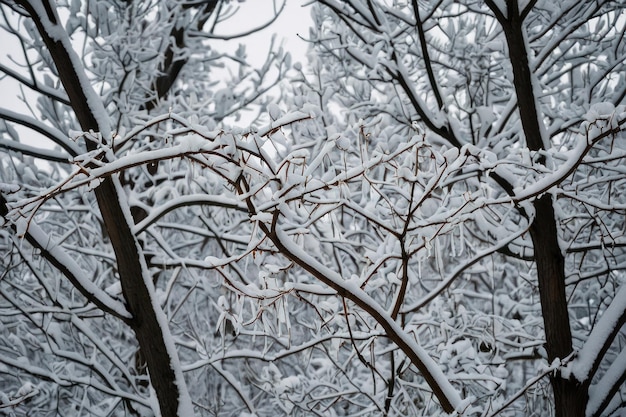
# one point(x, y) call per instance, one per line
point(77, 276)
point(524, 101)
point(429, 221)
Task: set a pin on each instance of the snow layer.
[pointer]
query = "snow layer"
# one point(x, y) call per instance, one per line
point(185, 406)
point(582, 366)
point(353, 287)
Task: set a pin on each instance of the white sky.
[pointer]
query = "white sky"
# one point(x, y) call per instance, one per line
point(294, 20)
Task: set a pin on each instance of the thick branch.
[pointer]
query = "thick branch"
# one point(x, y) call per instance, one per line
point(570, 398)
point(54, 254)
point(544, 233)
point(606, 388)
point(587, 363)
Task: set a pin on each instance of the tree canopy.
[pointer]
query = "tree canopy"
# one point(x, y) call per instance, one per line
point(426, 218)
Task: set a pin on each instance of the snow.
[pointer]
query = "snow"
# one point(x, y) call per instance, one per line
point(9, 188)
point(316, 162)
point(274, 111)
point(506, 239)
point(192, 143)
point(287, 384)
point(342, 143)
point(330, 222)
point(193, 146)
point(99, 343)
point(58, 34)
point(360, 297)
point(42, 239)
point(55, 135)
point(599, 392)
point(187, 200)
point(542, 185)
point(581, 367)
point(283, 121)
point(185, 406)
point(599, 111)
point(48, 154)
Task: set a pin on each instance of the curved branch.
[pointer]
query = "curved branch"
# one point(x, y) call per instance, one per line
point(444, 391)
point(46, 154)
point(499, 14)
point(188, 200)
point(523, 390)
point(606, 388)
point(51, 133)
point(401, 76)
point(33, 85)
point(572, 163)
point(587, 363)
point(426, 55)
point(200, 34)
point(460, 269)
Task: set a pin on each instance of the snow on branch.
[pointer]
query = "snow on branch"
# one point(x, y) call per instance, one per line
point(49, 132)
point(584, 366)
point(448, 396)
point(593, 132)
point(55, 254)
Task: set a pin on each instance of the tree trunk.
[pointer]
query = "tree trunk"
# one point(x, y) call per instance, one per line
point(147, 321)
point(570, 398)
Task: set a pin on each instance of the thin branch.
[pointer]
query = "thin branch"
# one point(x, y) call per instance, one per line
point(35, 86)
point(211, 35)
point(426, 55)
point(54, 254)
point(49, 132)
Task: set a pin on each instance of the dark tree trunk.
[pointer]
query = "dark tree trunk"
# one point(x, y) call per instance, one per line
point(570, 397)
point(145, 323)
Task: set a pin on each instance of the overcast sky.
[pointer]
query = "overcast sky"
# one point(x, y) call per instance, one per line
point(295, 20)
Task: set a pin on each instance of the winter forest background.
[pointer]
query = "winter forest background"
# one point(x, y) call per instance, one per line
point(426, 217)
